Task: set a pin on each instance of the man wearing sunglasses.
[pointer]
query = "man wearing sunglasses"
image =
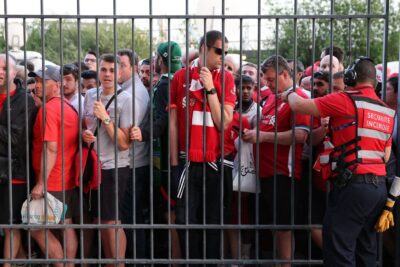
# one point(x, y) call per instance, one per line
point(205, 83)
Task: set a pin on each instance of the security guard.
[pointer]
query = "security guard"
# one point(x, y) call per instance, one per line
point(360, 128)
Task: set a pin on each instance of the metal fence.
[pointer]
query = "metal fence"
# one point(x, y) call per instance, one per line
point(153, 232)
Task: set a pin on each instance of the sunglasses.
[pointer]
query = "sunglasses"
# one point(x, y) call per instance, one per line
point(218, 51)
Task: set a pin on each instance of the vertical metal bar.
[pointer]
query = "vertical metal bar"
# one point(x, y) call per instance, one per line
point(385, 47)
point(397, 140)
point(368, 43)
point(310, 186)
point(204, 146)
point(169, 246)
point(383, 91)
point(9, 151)
point(258, 119)
point(98, 138)
point(221, 233)
point(275, 138)
point(82, 239)
point(27, 145)
point(44, 147)
point(331, 47)
point(292, 190)
point(116, 69)
point(61, 34)
point(350, 41)
point(187, 136)
point(134, 73)
point(151, 193)
point(239, 101)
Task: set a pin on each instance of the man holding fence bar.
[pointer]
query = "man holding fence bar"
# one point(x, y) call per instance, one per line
point(205, 84)
point(58, 170)
point(19, 172)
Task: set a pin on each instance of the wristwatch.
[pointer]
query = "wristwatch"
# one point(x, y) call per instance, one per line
point(107, 121)
point(212, 91)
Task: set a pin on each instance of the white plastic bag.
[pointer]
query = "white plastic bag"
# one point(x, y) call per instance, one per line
point(246, 173)
point(36, 214)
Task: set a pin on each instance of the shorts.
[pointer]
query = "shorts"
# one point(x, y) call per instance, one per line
point(71, 200)
point(283, 202)
point(106, 209)
point(19, 195)
point(87, 211)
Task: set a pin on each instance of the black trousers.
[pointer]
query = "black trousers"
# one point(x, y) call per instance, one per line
point(349, 237)
point(197, 214)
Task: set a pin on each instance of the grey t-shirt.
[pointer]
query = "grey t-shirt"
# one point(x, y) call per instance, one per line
point(124, 115)
point(139, 151)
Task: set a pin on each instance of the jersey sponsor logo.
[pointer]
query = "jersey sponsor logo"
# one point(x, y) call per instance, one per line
point(268, 119)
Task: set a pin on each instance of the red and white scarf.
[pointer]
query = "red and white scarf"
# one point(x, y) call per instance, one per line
point(197, 120)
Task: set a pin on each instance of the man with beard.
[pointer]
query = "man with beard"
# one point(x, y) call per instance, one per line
point(168, 61)
point(21, 109)
point(139, 152)
point(144, 72)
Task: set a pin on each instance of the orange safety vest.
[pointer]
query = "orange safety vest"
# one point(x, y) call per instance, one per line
point(364, 149)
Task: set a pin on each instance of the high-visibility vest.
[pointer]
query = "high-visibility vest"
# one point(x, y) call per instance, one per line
point(366, 135)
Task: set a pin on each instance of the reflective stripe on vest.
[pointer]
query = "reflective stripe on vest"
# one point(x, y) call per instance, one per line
point(370, 154)
point(375, 107)
point(373, 134)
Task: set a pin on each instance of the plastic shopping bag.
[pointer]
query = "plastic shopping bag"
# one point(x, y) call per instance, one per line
point(245, 173)
point(36, 215)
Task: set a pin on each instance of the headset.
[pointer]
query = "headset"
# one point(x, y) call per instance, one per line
point(350, 74)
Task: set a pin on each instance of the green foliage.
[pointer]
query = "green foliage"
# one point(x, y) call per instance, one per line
point(355, 43)
point(67, 41)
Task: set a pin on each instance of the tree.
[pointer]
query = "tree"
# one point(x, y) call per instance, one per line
point(353, 43)
point(68, 44)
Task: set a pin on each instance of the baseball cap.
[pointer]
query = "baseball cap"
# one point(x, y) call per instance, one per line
point(175, 57)
point(49, 73)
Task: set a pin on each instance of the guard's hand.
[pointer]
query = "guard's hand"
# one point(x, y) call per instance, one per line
point(206, 78)
point(135, 134)
point(38, 191)
point(386, 220)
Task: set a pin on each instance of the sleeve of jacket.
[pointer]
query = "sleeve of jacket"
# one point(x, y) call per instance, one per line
point(18, 121)
point(160, 124)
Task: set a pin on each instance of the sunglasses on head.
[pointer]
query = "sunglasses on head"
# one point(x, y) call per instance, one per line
point(218, 51)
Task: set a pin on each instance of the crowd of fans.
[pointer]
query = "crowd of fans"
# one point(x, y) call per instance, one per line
point(192, 178)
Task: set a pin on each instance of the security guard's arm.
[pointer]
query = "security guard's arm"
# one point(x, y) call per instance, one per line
point(386, 220)
point(299, 104)
point(388, 151)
